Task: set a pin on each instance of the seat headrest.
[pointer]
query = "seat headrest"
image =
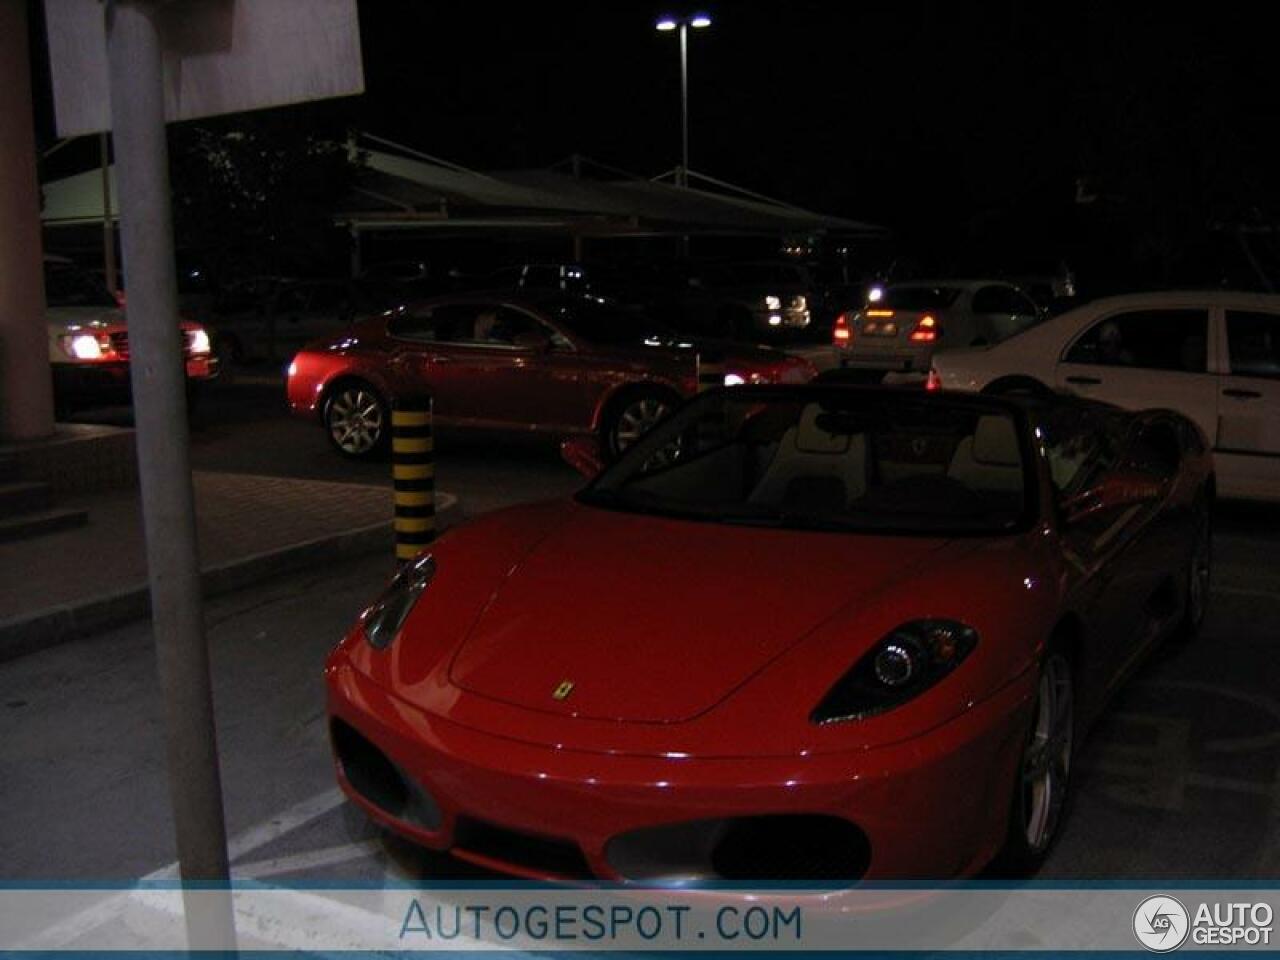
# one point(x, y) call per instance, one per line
point(995, 442)
point(810, 438)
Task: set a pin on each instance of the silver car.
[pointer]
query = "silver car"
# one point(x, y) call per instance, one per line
point(901, 326)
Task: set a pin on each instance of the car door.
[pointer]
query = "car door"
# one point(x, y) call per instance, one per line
point(534, 376)
point(1083, 446)
point(1143, 358)
point(1248, 439)
point(432, 353)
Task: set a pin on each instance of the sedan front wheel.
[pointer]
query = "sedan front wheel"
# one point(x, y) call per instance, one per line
point(356, 421)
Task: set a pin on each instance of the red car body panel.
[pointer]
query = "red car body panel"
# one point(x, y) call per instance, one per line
point(561, 392)
point(697, 651)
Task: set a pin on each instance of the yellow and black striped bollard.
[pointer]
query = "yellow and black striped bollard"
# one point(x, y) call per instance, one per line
point(710, 374)
point(414, 472)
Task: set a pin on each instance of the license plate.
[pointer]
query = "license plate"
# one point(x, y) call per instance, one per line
point(889, 329)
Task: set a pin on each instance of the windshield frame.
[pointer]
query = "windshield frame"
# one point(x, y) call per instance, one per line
point(597, 495)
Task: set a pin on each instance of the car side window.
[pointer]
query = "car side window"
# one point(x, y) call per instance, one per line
point(992, 299)
point(452, 323)
point(1174, 339)
point(1253, 340)
point(501, 326)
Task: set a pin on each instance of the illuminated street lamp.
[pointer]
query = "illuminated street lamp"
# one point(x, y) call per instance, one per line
point(698, 21)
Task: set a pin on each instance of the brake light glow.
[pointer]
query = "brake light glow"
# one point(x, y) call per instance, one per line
point(933, 381)
point(879, 313)
point(842, 332)
point(926, 330)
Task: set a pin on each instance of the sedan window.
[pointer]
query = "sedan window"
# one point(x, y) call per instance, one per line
point(997, 299)
point(1150, 339)
point(1254, 340)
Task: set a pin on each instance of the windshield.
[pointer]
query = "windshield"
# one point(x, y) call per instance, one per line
point(918, 298)
point(830, 458)
point(599, 321)
point(66, 285)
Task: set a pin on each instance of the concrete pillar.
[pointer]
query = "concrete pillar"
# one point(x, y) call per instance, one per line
point(26, 389)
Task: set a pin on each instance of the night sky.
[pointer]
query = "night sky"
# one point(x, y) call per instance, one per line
point(947, 122)
point(904, 113)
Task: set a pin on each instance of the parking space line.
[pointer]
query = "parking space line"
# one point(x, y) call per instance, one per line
point(307, 860)
point(83, 923)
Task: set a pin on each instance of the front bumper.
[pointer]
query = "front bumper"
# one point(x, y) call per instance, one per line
point(932, 807)
point(107, 381)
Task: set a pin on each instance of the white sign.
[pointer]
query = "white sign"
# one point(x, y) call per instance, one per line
point(221, 56)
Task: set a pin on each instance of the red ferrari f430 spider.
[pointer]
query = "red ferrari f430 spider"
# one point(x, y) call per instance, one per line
point(798, 633)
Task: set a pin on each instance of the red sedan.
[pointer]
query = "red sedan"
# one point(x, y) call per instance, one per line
point(812, 633)
point(558, 364)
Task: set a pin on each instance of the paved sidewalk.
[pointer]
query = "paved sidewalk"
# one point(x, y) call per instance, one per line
point(73, 583)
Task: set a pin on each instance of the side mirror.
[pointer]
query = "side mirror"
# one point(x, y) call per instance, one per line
point(534, 340)
point(1112, 492)
point(583, 454)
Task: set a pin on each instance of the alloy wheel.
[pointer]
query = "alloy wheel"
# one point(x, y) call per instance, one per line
point(1046, 762)
point(636, 419)
point(356, 420)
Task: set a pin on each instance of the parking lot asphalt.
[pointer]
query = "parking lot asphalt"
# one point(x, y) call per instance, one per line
point(1181, 778)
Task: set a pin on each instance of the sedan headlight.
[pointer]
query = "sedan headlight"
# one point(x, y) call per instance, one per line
point(773, 303)
point(383, 620)
point(83, 346)
point(798, 304)
point(198, 341)
point(899, 668)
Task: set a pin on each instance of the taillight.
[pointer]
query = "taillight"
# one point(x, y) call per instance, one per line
point(933, 381)
point(842, 332)
point(926, 330)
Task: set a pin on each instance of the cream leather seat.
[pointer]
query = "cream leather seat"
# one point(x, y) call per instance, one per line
point(812, 461)
point(989, 459)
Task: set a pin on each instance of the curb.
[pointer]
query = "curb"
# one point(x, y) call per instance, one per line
point(33, 632)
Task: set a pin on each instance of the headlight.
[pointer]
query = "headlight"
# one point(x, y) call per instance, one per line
point(900, 667)
point(383, 620)
point(198, 341)
point(733, 380)
point(83, 346)
point(773, 303)
point(798, 304)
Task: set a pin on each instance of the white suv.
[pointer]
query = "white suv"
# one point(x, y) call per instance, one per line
point(1211, 355)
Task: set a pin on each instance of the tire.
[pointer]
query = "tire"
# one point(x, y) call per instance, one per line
point(1199, 572)
point(1014, 386)
point(357, 420)
point(1042, 784)
point(631, 415)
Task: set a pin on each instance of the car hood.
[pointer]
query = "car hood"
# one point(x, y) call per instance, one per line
point(63, 320)
point(654, 620)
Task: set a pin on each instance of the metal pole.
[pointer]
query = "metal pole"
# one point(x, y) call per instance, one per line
point(684, 104)
point(164, 467)
point(108, 228)
point(26, 387)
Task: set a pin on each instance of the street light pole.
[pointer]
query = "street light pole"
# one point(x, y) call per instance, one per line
point(698, 21)
point(683, 179)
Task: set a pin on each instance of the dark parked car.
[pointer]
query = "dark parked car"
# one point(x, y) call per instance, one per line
point(554, 363)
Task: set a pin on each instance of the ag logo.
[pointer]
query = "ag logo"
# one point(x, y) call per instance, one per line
point(1161, 923)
